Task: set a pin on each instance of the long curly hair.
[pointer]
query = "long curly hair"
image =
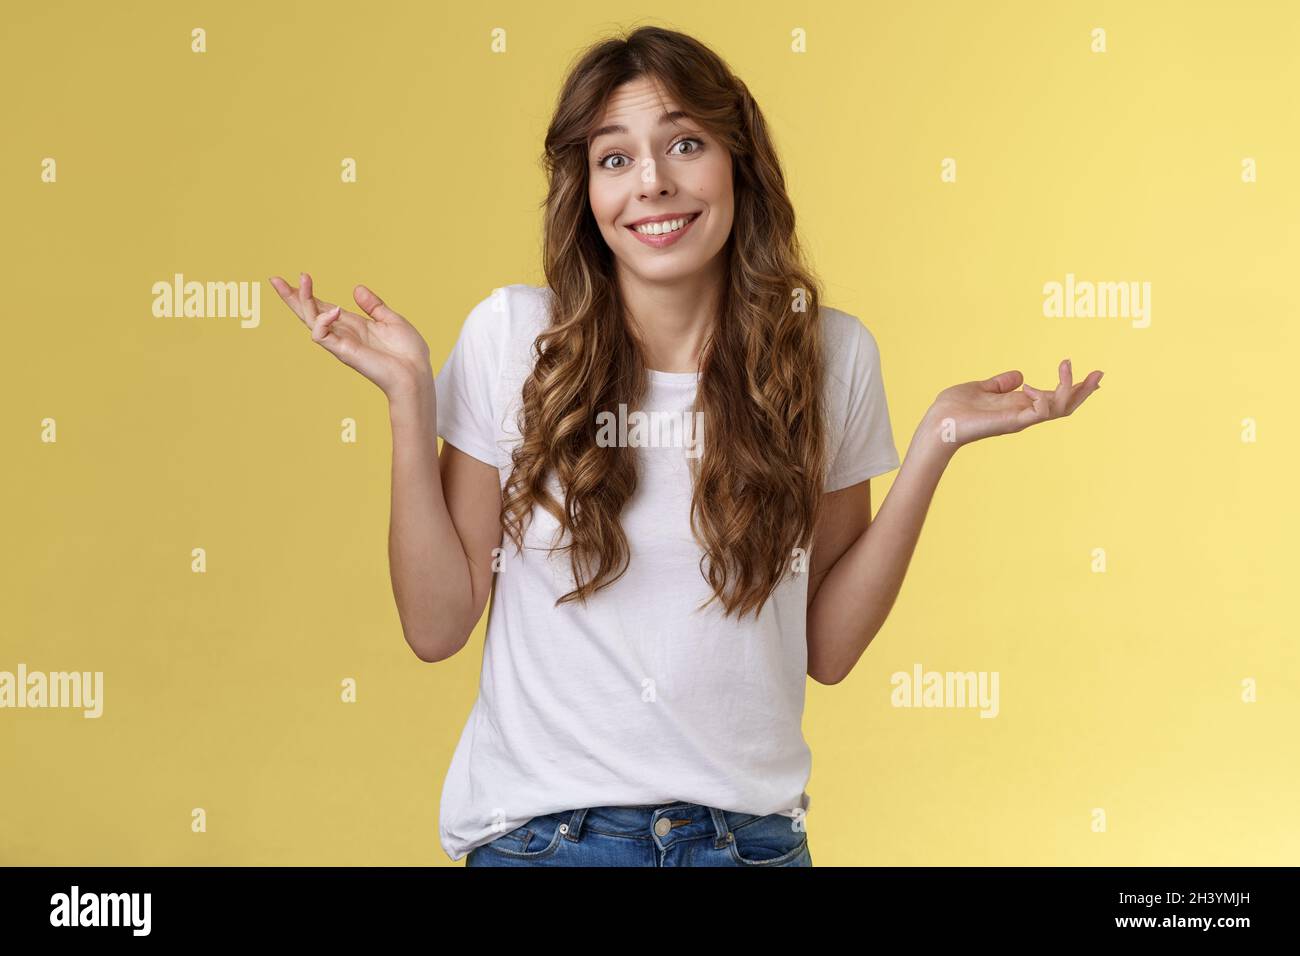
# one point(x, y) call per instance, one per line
point(757, 486)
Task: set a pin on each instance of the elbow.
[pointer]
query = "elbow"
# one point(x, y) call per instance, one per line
point(833, 671)
point(427, 655)
point(821, 664)
point(433, 648)
point(436, 624)
point(826, 677)
point(825, 672)
point(432, 654)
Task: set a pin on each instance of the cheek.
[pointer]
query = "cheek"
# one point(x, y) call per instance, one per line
point(601, 207)
point(715, 184)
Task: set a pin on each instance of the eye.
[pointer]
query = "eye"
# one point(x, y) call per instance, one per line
point(699, 144)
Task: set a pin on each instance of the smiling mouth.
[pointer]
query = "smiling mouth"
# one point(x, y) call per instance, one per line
point(664, 228)
point(662, 233)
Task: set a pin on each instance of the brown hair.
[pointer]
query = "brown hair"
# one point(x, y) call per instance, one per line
point(758, 485)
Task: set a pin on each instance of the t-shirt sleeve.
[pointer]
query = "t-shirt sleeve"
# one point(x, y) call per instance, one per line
point(867, 448)
point(467, 384)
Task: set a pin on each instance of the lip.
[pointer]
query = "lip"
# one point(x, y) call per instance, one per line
point(660, 241)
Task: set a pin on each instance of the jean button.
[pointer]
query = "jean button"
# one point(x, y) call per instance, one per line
point(662, 826)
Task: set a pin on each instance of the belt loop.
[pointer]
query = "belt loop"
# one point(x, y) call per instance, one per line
point(575, 824)
point(721, 829)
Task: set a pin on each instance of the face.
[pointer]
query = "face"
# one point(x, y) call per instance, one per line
point(656, 168)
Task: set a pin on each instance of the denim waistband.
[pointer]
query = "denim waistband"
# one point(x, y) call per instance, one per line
point(665, 823)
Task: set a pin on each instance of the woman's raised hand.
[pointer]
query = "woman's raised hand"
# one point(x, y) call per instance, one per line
point(973, 410)
point(384, 348)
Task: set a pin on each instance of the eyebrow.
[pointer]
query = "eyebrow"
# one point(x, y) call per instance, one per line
point(619, 128)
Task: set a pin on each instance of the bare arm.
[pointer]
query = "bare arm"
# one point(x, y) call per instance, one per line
point(445, 517)
point(442, 528)
point(859, 573)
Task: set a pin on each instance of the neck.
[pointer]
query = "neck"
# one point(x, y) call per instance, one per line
point(671, 320)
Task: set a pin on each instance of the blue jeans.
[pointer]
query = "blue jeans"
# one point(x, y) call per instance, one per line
point(671, 834)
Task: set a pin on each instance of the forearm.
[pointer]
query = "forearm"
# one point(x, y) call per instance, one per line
point(859, 591)
point(427, 563)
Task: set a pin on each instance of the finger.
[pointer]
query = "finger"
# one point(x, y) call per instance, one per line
point(337, 345)
point(1006, 382)
point(356, 324)
point(349, 320)
point(1042, 404)
point(1081, 391)
point(290, 298)
point(1061, 396)
point(306, 299)
point(346, 348)
point(322, 305)
point(352, 318)
point(374, 306)
point(323, 324)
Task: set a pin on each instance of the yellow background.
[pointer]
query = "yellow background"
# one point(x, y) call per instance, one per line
point(1119, 691)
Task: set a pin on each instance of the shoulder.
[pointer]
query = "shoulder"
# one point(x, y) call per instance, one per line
point(849, 346)
point(508, 313)
point(498, 333)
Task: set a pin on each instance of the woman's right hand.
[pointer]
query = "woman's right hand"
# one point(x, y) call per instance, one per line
point(385, 348)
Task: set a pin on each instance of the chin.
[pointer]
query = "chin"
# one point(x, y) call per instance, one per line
point(665, 271)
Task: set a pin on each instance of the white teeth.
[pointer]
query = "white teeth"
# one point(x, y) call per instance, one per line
point(660, 228)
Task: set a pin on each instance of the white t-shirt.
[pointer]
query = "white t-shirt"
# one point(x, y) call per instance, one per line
point(638, 698)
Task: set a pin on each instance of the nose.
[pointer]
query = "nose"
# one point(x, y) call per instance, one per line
point(653, 181)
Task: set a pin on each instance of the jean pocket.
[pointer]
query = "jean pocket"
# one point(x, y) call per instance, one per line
point(773, 840)
point(539, 837)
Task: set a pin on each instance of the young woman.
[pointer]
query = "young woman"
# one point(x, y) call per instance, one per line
point(640, 704)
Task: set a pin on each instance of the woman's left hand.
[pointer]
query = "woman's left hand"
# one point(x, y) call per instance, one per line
point(973, 410)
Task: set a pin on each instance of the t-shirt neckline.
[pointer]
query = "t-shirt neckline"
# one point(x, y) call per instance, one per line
point(673, 378)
